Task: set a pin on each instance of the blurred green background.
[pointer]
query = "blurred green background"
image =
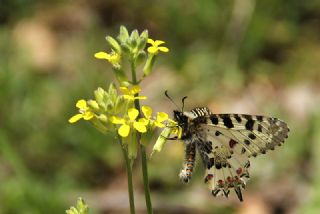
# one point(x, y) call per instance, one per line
point(239, 56)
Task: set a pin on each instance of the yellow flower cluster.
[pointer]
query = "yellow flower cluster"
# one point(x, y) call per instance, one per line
point(129, 94)
point(130, 120)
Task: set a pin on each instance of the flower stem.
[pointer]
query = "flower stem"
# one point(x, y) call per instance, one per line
point(129, 175)
point(145, 178)
point(142, 150)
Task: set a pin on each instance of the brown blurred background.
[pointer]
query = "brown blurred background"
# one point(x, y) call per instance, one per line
point(239, 56)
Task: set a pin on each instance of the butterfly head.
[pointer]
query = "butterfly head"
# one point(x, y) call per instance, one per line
point(181, 119)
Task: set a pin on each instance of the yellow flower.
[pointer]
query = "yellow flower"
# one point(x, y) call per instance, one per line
point(154, 49)
point(129, 93)
point(84, 110)
point(114, 58)
point(130, 122)
point(161, 116)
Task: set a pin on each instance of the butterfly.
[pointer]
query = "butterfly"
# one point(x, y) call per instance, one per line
point(226, 142)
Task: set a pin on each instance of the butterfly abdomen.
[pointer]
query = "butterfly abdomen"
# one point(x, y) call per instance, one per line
point(189, 160)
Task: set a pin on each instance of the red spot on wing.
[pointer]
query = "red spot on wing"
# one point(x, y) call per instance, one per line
point(239, 171)
point(232, 143)
point(220, 182)
point(208, 178)
point(229, 179)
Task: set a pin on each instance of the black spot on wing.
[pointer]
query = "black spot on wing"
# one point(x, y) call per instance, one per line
point(227, 121)
point(252, 136)
point(259, 118)
point(249, 124)
point(247, 116)
point(246, 142)
point(217, 133)
point(210, 163)
point(238, 118)
point(214, 119)
point(208, 147)
point(259, 128)
point(243, 150)
point(218, 165)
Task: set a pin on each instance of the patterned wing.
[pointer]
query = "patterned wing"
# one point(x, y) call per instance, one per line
point(227, 141)
point(225, 168)
point(255, 134)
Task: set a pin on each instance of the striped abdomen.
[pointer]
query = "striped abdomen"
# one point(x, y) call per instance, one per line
point(190, 154)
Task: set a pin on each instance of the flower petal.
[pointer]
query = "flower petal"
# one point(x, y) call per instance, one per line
point(140, 127)
point(162, 116)
point(150, 41)
point(147, 111)
point(124, 90)
point(177, 131)
point(114, 59)
point(133, 113)
point(135, 89)
point(88, 115)
point(158, 42)
point(75, 118)
point(158, 124)
point(124, 130)
point(163, 49)
point(144, 121)
point(140, 98)
point(152, 50)
point(82, 104)
point(117, 120)
point(102, 55)
point(128, 97)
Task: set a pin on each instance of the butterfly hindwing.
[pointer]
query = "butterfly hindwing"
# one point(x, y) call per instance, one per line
point(225, 168)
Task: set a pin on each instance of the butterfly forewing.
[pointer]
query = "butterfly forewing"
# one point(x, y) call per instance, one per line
point(256, 134)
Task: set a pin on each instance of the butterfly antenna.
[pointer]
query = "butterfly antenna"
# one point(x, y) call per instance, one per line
point(183, 102)
point(167, 95)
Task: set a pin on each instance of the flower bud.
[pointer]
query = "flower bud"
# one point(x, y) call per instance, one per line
point(123, 35)
point(99, 95)
point(134, 39)
point(114, 44)
point(143, 40)
point(162, 139)
point(140, 58)
point(93, 104)
point(133, 147)
point(149, 64)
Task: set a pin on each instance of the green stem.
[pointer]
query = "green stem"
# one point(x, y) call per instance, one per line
point(142, 149)
point(145, 179)
point(129, 175)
